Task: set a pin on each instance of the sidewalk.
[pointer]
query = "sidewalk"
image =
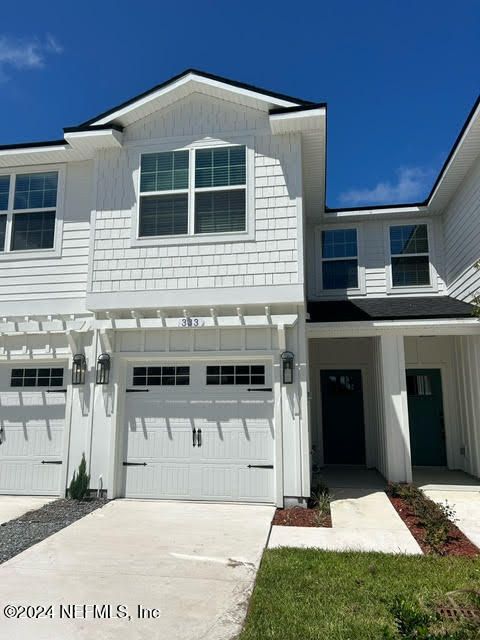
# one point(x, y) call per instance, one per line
point(362, 520)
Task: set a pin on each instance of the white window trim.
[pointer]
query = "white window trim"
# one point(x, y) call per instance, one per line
point(7, 255)
point(191, 237)
point(336, 293)
point(430, 288)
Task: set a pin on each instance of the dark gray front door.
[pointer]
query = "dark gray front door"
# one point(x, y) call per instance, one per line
point(425, 414)
point(342, 416)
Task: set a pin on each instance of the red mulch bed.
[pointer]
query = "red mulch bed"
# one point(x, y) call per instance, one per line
point(458, 544)
point(300, 517)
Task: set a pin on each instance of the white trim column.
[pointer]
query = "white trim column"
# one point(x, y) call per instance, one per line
point(393, 389)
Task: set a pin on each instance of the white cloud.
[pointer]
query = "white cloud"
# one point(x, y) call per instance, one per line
point(17, 54)
point(412, 184)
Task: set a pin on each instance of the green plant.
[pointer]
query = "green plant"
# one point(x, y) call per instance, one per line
point(80, 483)
point(410, 620)
point(320, 500)
point(436, 519)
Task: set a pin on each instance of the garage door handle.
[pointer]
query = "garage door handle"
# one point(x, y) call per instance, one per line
point(260, 466)
point(265, 389)
point(134, 464)
point(51, 462)
point(2, 434)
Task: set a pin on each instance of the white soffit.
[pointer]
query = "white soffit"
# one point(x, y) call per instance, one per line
point(302, 120)
point(466, 153)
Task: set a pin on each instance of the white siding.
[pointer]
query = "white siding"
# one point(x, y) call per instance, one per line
point(56, 277)
point(462, 238)
point(467, 353)
point(271, 258)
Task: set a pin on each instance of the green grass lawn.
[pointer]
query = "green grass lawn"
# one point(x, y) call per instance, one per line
point(321, 595)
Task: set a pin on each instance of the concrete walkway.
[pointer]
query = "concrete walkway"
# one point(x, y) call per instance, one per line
point(12, 507)
point(466, 504)
point(195, 563)
point(362, 520)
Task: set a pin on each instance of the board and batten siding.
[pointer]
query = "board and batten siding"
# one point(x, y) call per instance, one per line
point(270, 258)
point(374, 256)
point(462, 237)
point(57, 277)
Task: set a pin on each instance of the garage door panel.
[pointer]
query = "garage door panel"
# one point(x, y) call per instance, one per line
point(144, 482)
point(146, 444)
point(252, 481)
point(26, 477)
point(31, 441)
point(237, 430)
point(33, 425)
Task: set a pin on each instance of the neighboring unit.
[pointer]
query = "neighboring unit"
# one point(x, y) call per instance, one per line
point(178, 303)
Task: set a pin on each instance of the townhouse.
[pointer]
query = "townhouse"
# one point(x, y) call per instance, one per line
point(178, 304)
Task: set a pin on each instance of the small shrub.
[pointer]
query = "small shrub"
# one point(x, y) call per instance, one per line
point(436, 519)
point(80, 483)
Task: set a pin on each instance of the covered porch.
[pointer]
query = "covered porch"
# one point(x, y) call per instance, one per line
point(401, 396)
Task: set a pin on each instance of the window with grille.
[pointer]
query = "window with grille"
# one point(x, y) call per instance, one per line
point(212, 181)
point(30, 204)
point(339, 259)
point(37, 377)
point(235, 374)
point(410, 255)
point(161, 376)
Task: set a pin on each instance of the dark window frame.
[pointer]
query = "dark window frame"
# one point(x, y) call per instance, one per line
point(164, 375)
point(34, 377)
point(235, 375)
point(348, 259)
point(400, 259)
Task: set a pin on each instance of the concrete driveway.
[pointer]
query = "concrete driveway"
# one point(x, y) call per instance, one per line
point(12, 507)
point(194, 563)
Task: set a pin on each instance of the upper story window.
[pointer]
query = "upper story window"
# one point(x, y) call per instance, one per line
point(193, 191)
point(29, 201)
point(410, 255)
point(339, 259)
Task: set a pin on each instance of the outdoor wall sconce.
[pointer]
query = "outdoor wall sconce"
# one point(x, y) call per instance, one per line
point(103, 369)
point(79, 366)
point(287, 367)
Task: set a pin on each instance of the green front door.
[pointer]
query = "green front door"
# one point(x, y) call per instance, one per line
point(342, 417)
point(425, 414)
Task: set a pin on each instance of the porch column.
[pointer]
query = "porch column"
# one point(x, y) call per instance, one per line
point(394, 406)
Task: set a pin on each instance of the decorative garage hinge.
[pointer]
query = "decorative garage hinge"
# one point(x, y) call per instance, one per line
point(52, 462)
point(56, 391)
point(259, 466)
point(134, 464)
point(265, 389)
point(138, 390)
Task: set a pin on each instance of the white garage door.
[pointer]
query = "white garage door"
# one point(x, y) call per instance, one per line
point(32, 421)
point(200, 432)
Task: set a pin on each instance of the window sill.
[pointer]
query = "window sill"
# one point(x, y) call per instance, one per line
point(200, 238)
point(427, 288)
point(29, 254)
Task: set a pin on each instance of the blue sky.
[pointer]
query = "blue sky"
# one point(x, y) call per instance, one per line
point(399, 76)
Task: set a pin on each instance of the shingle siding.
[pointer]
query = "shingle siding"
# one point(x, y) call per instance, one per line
point(271, 258)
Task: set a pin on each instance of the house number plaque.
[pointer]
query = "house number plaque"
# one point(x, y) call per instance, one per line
point(190, 322)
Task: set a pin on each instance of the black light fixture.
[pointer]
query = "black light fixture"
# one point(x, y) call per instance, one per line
point(79, 366)
point(103, 368)
point(287, 367)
